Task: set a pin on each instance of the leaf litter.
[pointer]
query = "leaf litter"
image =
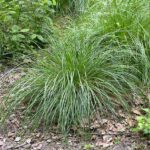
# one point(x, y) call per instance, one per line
point(105, 133)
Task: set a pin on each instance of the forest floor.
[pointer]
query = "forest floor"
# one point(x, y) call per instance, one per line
point(103, 134)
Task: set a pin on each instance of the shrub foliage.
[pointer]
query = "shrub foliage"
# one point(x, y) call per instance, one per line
point(24, 26)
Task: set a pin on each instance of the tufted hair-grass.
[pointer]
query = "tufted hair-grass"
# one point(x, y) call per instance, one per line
point(75, 80)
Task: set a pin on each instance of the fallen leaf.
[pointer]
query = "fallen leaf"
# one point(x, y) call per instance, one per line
point(28, 141)
point(27, 146)
point(107, 138)
point(95, 125)
point(120, 127)
point(121, 114)
point(38, 135)
point(138, 101)
point(39, 147)
point(49, 141)
point(136, 111)
point(93, 137)
point(1, 143)
point(103, 121)
point(17, 139)
point(11, 134)
point(103, 144)
point(130, 122)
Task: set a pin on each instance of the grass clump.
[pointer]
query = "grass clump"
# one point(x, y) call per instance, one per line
point(74, 81)
point(126, 23)
point(95, 66)
point(126, 19)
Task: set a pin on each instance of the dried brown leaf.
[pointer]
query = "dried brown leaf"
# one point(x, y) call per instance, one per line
point(136, 111)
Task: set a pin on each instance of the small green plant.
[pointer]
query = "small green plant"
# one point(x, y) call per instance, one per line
point(143, 123)
point(117, 140)
point(88, 147)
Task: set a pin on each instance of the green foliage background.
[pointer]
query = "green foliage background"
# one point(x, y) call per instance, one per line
point(25, 25)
